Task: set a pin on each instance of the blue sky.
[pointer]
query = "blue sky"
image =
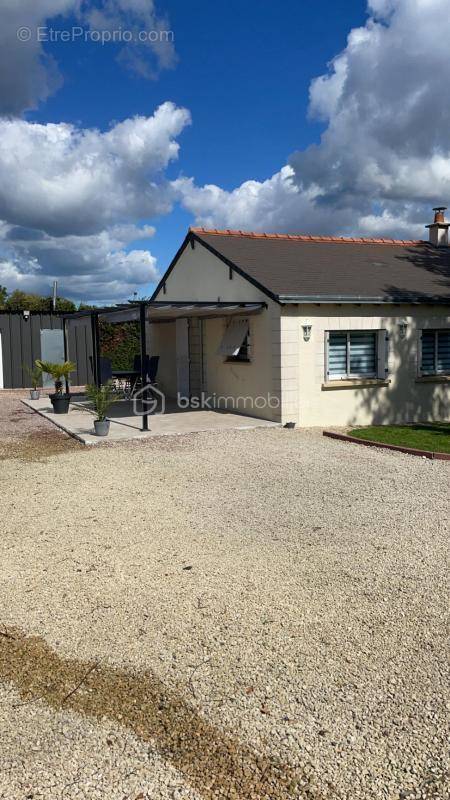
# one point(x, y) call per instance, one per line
point(299, 117)
point(243, 71)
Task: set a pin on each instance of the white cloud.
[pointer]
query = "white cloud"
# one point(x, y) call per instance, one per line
point(69, 199)
point(252, 206)
point(96, 267)
point(384, 156)
point(62, 179)
point(145, 56)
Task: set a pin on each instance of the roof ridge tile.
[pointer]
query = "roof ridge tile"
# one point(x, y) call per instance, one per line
point(306, 237)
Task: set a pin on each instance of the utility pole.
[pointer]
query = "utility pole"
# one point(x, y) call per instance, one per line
point(54, 295)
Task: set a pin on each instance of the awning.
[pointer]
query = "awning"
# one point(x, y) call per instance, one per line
point(165, 311)
point(159, 312)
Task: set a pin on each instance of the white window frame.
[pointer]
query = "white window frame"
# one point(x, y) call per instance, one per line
point(436, 371)
point(381, 355)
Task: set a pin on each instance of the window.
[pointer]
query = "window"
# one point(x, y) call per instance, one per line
point(235, 344)
point(435, 352)
point(243, 354)
point(352, 354)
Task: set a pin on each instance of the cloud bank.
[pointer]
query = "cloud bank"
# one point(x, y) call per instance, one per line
point(384, 155)
point(72, 202)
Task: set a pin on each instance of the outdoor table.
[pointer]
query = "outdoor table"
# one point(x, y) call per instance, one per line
point(130, 376)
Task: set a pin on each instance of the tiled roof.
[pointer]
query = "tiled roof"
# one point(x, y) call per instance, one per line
point(293, 266)
point(294, 237)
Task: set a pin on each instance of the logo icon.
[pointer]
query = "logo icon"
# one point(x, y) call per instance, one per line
point(147, 400)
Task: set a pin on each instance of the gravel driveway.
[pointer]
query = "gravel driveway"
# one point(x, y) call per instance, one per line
point(249, 614)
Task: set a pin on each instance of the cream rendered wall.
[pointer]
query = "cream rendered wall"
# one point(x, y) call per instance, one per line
point(201, 276)
point(250, 388)
point(405, 399)
point(161, 342)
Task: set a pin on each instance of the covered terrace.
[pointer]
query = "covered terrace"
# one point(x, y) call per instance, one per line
point(146, 409)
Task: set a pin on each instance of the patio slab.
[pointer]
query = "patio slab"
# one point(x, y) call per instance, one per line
point(124, 426)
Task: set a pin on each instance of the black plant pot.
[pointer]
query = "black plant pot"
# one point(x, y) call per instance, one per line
point(60, 403)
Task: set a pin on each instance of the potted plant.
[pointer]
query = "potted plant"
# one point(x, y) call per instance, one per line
point(101, 397)
point(35, 375)
point(60, 400)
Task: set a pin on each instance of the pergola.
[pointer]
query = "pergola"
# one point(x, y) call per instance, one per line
point(152, 311)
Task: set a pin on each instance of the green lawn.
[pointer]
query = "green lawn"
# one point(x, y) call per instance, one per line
point(433, 436)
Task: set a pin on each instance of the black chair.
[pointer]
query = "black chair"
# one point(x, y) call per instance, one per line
point(152, 371)
point(105, 369)
point(151, 367)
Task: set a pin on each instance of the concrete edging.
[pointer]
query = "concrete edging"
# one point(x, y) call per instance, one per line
point(343, 437)
point(57, 423)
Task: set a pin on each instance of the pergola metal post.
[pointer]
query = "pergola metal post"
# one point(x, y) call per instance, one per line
point(143, 333)
point(66, 348)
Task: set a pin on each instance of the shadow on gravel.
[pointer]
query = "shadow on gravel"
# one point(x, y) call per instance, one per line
point(213, 763)
point(37, 446)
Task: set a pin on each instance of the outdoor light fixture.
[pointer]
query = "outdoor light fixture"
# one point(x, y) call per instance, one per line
point(402, 326)
point(26, 314)
point(306, 332)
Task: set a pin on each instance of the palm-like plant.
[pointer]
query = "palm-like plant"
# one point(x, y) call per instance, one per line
point(58, 372)
point(34, 374)
point(101, 397)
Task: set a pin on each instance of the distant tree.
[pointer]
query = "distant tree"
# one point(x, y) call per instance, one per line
point(25, 301)
point(3, 296)
point(63, 305)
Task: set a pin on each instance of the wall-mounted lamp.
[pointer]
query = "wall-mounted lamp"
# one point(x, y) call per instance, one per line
point(26, 314)
point(306, 332)
point(402, 328)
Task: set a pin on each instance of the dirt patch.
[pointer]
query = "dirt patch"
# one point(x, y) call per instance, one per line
point(214, 764)
point(37, 446)
point(27, 436)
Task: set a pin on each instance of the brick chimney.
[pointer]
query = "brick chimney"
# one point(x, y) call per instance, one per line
point(439, 228)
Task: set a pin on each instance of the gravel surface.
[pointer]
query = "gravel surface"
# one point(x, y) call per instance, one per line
point(249, 614)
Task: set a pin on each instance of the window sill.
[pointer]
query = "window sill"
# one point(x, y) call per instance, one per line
point(238, 361)
point(354, 383)
point(433, 379)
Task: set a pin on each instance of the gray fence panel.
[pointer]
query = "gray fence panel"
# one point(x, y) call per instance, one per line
point(21, 344)
point(16, 347)
point(35, 335)
point(6, 349)
point(80, 350)
point(26, 349)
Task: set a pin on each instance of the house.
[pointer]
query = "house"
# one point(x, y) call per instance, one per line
point(315, 330)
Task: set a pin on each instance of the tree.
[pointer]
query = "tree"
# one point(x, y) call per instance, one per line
point(25, 301)
point(3, 296)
